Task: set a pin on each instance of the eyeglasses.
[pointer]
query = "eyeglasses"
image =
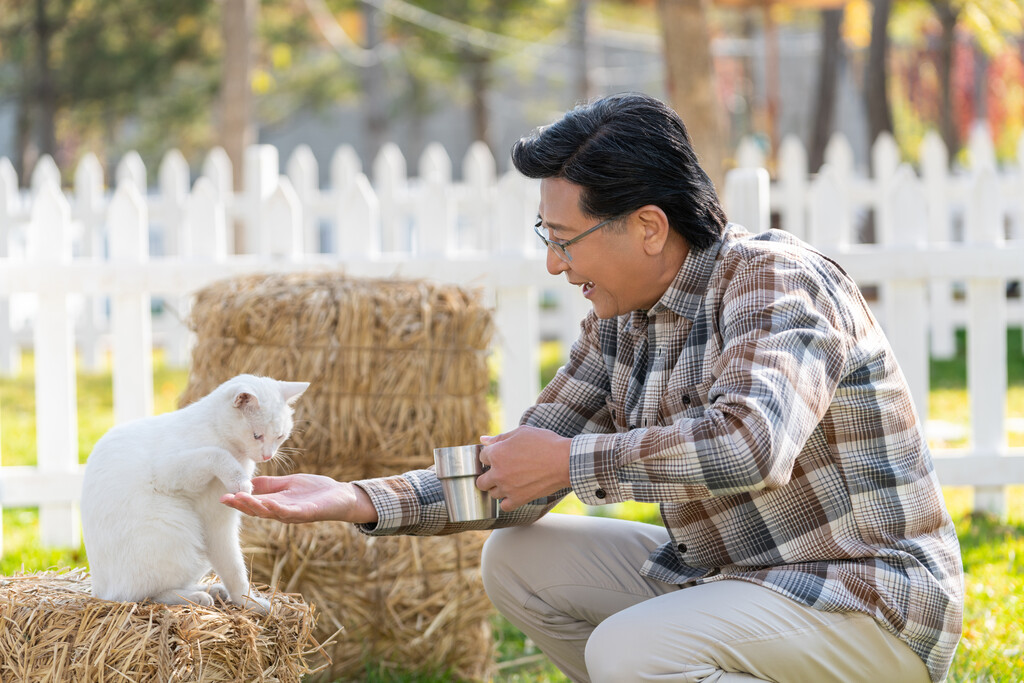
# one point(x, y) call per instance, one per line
point(561, 249)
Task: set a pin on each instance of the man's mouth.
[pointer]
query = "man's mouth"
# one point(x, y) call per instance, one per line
point(587, 288)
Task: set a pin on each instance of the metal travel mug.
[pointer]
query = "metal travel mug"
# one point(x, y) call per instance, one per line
point(457, 468)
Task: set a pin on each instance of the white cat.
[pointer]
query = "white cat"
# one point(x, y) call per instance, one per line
point(151, 517)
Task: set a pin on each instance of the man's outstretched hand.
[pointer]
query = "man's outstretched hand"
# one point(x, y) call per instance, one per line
point(304, 498)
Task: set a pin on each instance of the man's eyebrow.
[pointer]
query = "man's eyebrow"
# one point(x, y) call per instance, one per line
point(552, 226)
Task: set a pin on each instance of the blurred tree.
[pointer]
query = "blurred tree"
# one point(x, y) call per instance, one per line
point(687, 43)
point(235, 126)
point(92, 61)
point(112, 75)
point(992, 24)
point(876, 79)
point(459, 40)
point(828, 77)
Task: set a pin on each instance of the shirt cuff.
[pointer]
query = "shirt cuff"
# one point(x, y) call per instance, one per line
point(395, 501)
point(592, 470)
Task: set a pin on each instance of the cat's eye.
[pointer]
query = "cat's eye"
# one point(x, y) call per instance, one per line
point(258, 437)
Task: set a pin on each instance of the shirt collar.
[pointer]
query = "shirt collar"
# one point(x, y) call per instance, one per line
point(685, 294)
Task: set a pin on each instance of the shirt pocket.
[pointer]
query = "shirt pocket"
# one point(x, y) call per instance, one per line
point(684, 402)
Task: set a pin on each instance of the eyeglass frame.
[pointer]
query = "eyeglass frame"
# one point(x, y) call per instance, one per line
point(562, 246)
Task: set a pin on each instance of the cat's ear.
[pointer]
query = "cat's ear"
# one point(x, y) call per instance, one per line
point(245, 399)
point(290, 391)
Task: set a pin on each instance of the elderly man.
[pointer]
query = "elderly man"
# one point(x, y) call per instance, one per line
point(738, 380)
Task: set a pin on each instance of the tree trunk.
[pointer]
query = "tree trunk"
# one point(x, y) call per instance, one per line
point(236, 131)
point(479, 83)
point(375, 118)
point(46, 92)
point(947, 122)
point(25, 152)
point(876, 81)
point(828, 77)
point(687, 44)
point(580, 50)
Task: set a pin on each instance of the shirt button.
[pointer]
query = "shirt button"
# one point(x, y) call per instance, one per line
point(686, 400)
point(682, 547)
point(600, 493)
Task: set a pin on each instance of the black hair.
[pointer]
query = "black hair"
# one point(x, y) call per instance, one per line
point(626, 151)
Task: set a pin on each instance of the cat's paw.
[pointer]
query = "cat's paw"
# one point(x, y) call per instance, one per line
point(256, 603)
point(239, 485)
point(218, 592)
point(201, 598)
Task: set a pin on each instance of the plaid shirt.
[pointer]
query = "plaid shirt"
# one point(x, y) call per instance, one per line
point(760, 404)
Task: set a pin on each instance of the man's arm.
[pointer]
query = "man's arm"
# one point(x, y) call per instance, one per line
point(304, 498)
point(783, 353)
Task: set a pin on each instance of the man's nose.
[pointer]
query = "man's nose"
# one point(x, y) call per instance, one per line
point(554, 264)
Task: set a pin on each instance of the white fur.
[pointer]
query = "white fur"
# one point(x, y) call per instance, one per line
point(151, 517)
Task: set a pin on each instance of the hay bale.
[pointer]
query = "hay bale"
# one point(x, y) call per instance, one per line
point(397, 368)
point(54, 631)
point(405, 602)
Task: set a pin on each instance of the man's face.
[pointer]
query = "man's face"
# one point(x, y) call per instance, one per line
point(608, 264)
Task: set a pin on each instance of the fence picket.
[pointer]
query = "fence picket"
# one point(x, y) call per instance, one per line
point(130, 321)
point(934, 171)
point(828, 225)
point(357, 221)
point(906, 298)
point(979, 147)
point(389, 181)
point(345, 166)
point(45, 174)
point(261, 178)
point(479, 173)
point(88, 209)
point(205, 234)
point(749, 154)
point(435, 210)
point(173, 179)
point(986, 339)
point(131, 169)
point(746, 198)
point(281, 226)
point(792, 186)
point(217, 169)
point(304, 175)
point(48, 242)
point(10, 353)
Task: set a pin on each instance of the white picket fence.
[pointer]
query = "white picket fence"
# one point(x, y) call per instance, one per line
point(76, 271)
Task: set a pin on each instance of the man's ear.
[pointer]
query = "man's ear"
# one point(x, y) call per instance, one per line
point(655, 226)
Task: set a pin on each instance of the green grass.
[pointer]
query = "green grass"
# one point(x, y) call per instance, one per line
point(992, 648)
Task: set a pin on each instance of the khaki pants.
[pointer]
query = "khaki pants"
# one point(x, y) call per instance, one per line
point(572, 585)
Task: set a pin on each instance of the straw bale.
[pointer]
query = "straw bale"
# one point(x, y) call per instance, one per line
point(54, 631)
point(405, 602)
point(397, 368)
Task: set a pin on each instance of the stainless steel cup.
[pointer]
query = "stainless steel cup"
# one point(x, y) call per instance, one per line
point(457, 467)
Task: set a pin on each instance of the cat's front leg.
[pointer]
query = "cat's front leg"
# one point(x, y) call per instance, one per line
point(193, 469)
point(225, 555)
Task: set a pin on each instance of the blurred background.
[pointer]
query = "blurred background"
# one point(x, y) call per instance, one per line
point(109, 76)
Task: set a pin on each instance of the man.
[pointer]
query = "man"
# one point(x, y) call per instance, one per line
point(738, 380)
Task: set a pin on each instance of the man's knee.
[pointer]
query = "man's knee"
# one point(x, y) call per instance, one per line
point(498, 559)
point(612, 653)
point(625, 647)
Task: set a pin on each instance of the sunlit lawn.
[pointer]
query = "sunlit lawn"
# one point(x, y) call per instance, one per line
point(992, 648)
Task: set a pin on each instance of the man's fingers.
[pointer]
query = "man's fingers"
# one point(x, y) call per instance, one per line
point(261, 485)
point(488, 440)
